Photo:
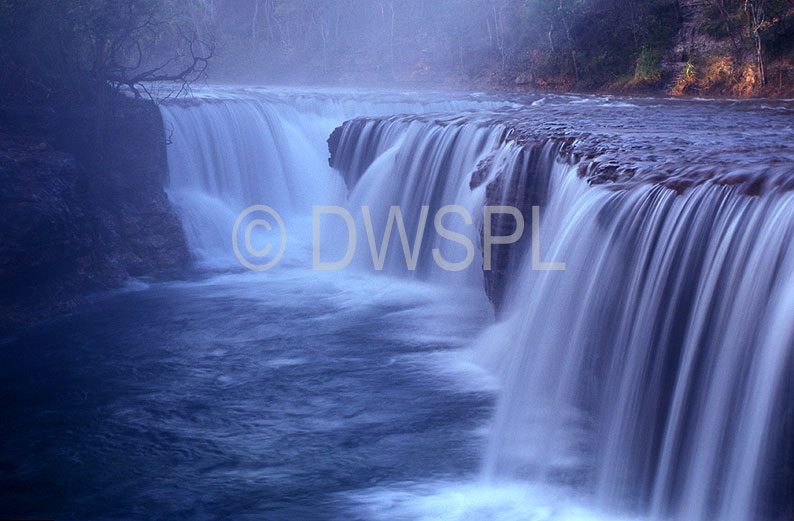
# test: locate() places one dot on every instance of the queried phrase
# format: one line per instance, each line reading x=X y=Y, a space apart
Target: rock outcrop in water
x=522 y=184
x=83 y=206
x=619 y=144
x=352 y=165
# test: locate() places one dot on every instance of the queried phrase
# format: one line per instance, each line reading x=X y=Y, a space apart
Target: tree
x=86 y=46
x=755 y=21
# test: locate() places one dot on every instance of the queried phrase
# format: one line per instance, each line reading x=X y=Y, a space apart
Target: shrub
x=646 y=70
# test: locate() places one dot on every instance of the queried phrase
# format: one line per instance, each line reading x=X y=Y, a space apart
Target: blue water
x=240 y=397
x=651 y=378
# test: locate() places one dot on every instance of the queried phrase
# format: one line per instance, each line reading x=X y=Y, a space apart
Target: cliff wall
x=82 y=205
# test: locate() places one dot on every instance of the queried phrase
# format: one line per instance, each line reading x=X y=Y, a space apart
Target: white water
x=421 y=164
x=233 y=148
x=649 y=373
x=645 y=380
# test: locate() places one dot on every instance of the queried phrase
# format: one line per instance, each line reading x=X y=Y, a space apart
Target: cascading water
x=417 y=164
x=231 y=150
x=651 y=376
x=229 y=155
x=651 y=371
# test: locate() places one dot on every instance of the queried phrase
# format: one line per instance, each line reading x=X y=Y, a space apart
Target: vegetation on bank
x=727 y=47
x=720 y=47
x=82 y=166
x=510 y=44
x=742 y=48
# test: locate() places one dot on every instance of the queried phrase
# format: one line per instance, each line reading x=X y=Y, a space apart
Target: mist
x=503 y=44
x=357 y=41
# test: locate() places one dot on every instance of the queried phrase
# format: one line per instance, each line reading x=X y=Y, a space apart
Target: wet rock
x=617 y=144
x=82 y=207
x=523 y=185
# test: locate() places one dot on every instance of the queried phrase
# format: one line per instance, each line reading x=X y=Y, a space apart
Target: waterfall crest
x=413 y=163
x=232 y=148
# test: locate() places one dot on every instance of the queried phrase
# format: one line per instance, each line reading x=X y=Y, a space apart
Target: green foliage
x=690 y=71
x=722 y=23
x=647 y=70
x=594 y=41
x=609 y=39
x=778 y=35
x=729 y=19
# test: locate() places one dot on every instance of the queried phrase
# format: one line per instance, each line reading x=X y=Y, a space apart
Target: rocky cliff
x=82 y=205
x=708 y=58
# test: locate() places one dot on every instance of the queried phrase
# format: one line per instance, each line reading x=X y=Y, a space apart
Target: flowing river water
x=650 y=379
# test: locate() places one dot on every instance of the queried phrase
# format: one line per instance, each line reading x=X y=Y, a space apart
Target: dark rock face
x=522 y=185
x=353 y=147
x=82 y=206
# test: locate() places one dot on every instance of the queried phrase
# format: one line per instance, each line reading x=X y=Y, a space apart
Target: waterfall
x=233 y=148
x=413 y=163
x=655 y=371
x=227 y=155
x=653 y=374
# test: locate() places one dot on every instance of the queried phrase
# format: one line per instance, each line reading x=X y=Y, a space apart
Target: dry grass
x=720 y=76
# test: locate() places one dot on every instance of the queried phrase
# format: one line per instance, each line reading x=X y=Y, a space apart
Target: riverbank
x=716 y=76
